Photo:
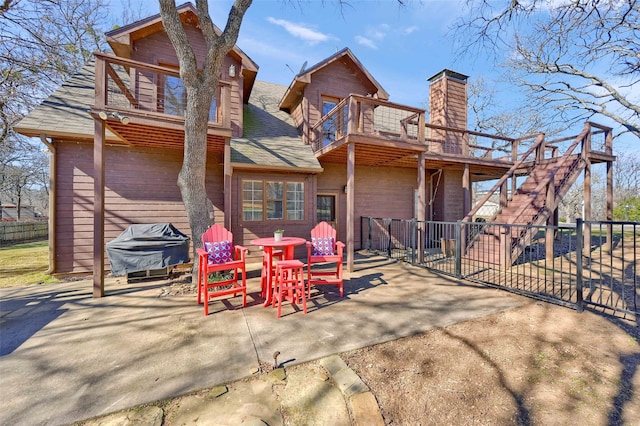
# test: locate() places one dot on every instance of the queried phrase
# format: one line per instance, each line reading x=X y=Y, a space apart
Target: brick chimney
x=448 y=108
x=448 y=99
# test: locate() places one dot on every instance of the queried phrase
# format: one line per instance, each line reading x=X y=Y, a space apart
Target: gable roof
x=294 y=92
x=122 y=39
x=270 y=139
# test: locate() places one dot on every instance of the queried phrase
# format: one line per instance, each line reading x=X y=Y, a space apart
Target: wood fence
x=11 y=232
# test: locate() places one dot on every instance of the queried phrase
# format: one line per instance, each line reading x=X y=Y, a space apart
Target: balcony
x=144 y=105
x=390 y=134
x=394 y=135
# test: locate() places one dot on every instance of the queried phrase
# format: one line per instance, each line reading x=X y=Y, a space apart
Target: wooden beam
x=466 y=190
x=351 y=166
x=227 y=184
x=98 y=209
x=422 y=205
x=98 y=182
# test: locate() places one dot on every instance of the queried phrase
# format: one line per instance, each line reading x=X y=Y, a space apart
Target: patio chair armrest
x=242 y=250
x=340 y=247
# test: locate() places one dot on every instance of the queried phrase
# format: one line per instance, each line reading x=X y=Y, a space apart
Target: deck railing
x=125 y=85
x=365 y=116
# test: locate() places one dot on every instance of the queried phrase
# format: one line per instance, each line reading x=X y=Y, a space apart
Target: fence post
x=389 y=238
x=579 y=248
x=459 y=249
x=415 y=240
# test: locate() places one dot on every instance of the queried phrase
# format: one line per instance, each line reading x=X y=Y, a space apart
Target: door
x=326 y=210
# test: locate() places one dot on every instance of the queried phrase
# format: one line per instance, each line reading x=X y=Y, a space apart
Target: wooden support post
x=98 y=209
x=503 y=195
x=422 y=205
x=549 y=236
x=351 y=166
x=587 y=208
x=100 y=101
x=609 y=212
x=466 y=190
x=227 y=184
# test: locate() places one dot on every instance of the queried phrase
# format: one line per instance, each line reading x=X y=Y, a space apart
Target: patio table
x=288 y=245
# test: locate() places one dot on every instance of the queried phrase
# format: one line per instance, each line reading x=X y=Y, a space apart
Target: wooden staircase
x=512 y=229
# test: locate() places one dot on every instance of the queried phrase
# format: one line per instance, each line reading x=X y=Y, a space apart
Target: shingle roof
x=270 y=137
x=64 y=113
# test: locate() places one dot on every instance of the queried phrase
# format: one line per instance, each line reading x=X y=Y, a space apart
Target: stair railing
x=549 y=178
x=534 y=148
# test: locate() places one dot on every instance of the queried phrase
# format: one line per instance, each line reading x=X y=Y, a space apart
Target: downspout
x=52 y=204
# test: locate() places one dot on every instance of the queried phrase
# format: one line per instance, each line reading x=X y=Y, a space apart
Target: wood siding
x=379 y=192
x=157 y=49
x=336 y=80
x=140 y=188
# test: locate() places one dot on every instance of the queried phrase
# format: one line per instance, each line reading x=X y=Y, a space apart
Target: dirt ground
x=539 y=364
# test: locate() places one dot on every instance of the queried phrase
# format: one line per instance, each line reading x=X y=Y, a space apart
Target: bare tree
x=574 y=58
x=41 y=44
x=200 y=82
x=489 y=116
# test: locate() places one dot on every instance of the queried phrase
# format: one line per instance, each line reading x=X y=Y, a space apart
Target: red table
x=288 y=244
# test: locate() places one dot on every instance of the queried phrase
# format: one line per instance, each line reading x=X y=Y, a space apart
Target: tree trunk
x=192 y=177
x=201 y=85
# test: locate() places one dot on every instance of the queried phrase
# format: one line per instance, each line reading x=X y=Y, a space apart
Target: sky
x=400 y=46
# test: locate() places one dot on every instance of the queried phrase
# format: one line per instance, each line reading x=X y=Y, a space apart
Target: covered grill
x=145 y=247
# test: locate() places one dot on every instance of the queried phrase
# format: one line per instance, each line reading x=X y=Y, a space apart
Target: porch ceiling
x=159 y=132
x=405 y=155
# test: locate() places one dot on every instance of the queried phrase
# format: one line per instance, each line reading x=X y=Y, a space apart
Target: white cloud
x=367 y=42
x=411 y=29
x=300 y=31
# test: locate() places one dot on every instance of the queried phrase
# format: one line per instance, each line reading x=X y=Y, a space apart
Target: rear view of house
x=329 y=147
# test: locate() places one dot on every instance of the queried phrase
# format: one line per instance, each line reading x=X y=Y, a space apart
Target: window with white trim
x=272 y=200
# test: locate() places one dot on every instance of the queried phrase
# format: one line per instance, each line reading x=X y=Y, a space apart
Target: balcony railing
x=365 y=116
x=152 y=90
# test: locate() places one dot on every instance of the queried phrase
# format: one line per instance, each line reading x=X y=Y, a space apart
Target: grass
x=24 y=264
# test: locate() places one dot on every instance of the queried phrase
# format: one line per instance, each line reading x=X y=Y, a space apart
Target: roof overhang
x=121 y=41
x=295 y=91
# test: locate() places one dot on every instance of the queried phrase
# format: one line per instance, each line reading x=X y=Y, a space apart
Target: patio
x=67 y=356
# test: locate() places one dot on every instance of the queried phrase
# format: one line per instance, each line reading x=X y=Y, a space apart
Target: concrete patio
x=65 y=356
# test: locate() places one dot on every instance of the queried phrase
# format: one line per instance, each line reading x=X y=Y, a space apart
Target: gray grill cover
x=147 y=246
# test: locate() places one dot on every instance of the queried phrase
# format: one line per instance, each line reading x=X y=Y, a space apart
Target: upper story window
x=334 y=127
x=172 y=97
x=272 y=200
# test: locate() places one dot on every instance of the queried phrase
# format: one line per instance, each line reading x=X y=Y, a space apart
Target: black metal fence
x=590 y=263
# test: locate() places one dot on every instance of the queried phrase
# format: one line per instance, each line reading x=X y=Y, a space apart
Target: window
x=252 y=200
x=329 y=127
x=275 y=200
x=295 y=201
x=272 y=200
x=173 y=99
x=175 y=96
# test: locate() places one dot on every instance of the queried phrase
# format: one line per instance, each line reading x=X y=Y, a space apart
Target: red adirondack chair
x=218 y=254
x=324 y=249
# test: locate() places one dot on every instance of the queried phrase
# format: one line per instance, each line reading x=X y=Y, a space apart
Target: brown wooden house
x=330 y=146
